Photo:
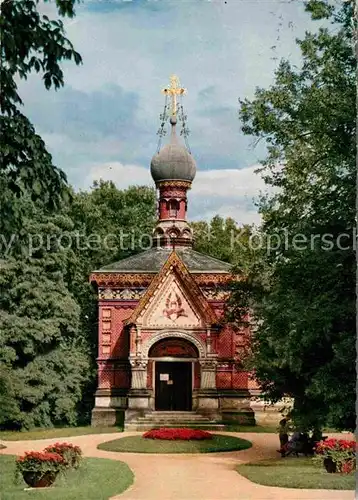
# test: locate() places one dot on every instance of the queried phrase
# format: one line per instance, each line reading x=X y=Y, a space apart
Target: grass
x=250 y=428
x=55 y=432
x=293 y=472
x=138 y=444
x=97 y=479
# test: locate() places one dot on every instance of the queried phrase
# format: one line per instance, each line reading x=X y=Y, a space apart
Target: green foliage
x=48 y=317
x=300 y=293
x=223 y=239
x=30 y=42
x=8 y=403
x=42 y=351
x=71 y=454
x=25 y=163
x=112 y=222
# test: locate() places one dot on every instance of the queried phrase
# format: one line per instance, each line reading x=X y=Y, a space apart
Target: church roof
x=152 y=261
x=173 y=161
x=175 y=264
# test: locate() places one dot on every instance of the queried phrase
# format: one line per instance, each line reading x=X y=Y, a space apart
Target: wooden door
x=173 y=386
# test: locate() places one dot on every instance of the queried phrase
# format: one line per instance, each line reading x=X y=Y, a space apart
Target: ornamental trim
x=199 y=344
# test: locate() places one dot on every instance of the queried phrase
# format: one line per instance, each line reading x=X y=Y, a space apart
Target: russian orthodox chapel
x=164 y=352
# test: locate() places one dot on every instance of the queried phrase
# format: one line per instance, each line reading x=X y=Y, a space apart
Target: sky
x=103 y=123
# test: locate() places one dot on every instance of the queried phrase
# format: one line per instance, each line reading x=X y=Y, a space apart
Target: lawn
x=55 y=432
x=250 y=428
x=97 y=479
x=138 y=444
x=293 y=472
x=63 y=432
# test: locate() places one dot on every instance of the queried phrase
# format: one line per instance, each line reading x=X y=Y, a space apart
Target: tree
x=44 y=356
x=48 y=309
x=30 y=42
x=114 y=223
x=223 y=239
x=301 y=292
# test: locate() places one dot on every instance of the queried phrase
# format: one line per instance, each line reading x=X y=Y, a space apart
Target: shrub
x=42 y=462
x=177 y=434
x=340 y=451
x=70 y=453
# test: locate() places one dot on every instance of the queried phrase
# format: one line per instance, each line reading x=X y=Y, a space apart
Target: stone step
x=186 y=419
x=157 y=417
x=178 y=421
x=167 y=423
x=176 y=413
x=133 y=426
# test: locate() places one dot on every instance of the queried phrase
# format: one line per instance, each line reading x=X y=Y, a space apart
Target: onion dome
x=173 y=161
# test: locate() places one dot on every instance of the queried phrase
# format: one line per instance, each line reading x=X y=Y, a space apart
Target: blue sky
x=103 y=123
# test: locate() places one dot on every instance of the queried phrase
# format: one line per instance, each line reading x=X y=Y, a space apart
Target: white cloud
x=229 y=193
x=122 y=175
x=220 y=51
x=241 y=182
x=103 y=123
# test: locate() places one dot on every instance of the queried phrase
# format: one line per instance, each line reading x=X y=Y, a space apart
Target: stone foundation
x=224 y=406
x=107 y=417
x=109 y=408
x=266 y=413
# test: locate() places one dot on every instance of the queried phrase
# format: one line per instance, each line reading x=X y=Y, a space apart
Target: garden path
x=209 y=476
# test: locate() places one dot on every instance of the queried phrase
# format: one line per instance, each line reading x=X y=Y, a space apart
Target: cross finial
x=173 y=90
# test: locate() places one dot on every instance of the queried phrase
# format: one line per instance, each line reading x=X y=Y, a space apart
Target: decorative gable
x=173 y=299
x=169 y=307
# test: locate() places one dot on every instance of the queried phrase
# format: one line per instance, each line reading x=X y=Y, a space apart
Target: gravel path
x=210 y=476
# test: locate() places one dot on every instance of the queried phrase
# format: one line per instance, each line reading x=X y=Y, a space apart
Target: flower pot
x=39 y=479
x=329 y=465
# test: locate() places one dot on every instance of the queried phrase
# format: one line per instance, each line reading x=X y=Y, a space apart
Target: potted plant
x=70 y=453
x=39 y=469
x=337 y=455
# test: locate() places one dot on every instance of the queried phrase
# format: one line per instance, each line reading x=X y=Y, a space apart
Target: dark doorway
x=173 y=382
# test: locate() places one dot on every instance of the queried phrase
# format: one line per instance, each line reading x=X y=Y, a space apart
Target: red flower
x=347 y=467
x=70 y=453
x=181 y=434
x=62 y=447
x=40 y=457
x=336 y=445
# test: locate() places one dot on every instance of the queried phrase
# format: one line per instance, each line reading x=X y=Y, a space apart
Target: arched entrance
x=173 y=361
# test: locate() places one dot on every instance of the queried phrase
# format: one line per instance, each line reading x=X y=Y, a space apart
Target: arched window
x=173 y=208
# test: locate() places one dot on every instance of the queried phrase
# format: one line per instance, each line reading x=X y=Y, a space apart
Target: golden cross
x=173 y=90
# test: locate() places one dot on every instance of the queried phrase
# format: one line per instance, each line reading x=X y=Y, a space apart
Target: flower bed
x=177 y=434
x=337 y=455
x=70 y=453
